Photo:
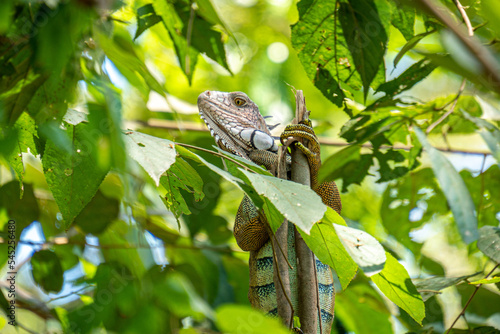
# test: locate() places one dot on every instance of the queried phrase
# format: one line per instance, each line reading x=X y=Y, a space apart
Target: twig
x=448 y=113
x=461 y=9
x=71 y=294
x=189 y=34
x=480 y=204
x=470 y=299
x=490 y=67
x=25 y=328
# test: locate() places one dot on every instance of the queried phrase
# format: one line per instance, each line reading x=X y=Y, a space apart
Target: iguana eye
x=239 y=101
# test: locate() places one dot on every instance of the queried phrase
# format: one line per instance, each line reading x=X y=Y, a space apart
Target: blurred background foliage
x=109 y=241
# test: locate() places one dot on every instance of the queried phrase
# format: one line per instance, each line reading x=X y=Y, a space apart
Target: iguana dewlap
x=238 y=127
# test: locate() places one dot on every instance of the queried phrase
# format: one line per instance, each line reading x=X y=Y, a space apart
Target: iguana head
x=235 y=122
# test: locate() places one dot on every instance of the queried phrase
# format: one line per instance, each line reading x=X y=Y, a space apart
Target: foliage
x=123 y=213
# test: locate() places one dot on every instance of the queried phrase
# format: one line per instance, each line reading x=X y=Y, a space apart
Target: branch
x=470 y=299
x=192 y=126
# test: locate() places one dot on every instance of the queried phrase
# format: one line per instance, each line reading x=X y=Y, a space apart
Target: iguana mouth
x=235 y=122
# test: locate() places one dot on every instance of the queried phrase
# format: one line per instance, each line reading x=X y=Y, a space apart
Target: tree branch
x=470 y=299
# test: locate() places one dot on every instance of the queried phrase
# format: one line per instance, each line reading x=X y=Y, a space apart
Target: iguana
x=238 y=127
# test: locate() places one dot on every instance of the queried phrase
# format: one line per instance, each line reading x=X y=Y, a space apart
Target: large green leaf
x=47 y=271
x=396 y=285
x=236 y=319
x=74 y=176
x=325 y=244
x=296 y=202
x=154 y=154
x=453 y=186
x=489 y=242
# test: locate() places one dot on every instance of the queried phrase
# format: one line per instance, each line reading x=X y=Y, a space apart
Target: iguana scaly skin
x=238 y=127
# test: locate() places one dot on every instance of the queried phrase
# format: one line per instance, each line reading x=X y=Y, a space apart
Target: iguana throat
x=235 y=122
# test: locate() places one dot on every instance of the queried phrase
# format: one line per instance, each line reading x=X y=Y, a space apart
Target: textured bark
x=307 y=280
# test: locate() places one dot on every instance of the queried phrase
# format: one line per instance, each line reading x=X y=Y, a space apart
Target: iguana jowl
x=238 y=127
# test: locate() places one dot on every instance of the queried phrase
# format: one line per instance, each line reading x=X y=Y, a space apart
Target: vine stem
x=462 y=313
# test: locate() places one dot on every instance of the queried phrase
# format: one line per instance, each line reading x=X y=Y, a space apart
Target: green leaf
x=453 y=186
x=146 y=18
x=27 y=138
x=179 y=176
x=154 y=154
x=365 y=36
x=486 y=281
x=331 y=168
x=120 y=50
x=47 y=271
x=74 y=177
x=489 y=242
x=98 y=214
x=364 y=249
x=330 y=87
x=489 y=11
x=325 y=244
x=432 y=285
x=15 y=104
x=236 y=319
x=296 y=202
x=361 y=309
x=192 y=33
x=396 y=285
x=489 y=132
x=406 y=80
x=187 y=55
x=412 y=42
x=6 y=8
x=23 y=210
x=418 y=190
